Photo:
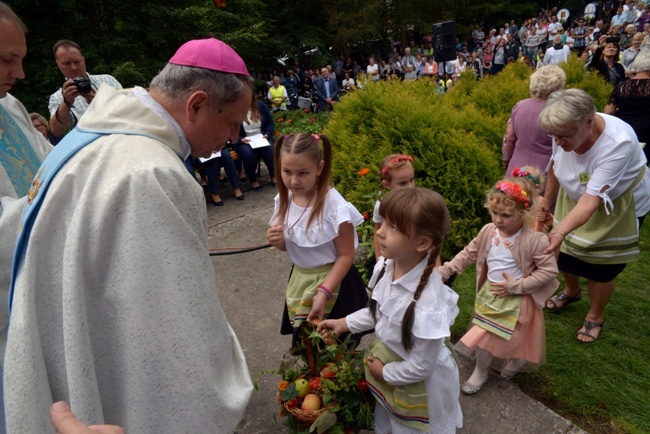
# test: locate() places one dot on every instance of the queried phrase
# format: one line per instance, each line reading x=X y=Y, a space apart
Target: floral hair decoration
x=396 y=160
x=515 y=191
x=316 y=137
x=523 y=173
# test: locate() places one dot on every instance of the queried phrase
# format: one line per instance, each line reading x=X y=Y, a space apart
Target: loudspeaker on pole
x=444 y=41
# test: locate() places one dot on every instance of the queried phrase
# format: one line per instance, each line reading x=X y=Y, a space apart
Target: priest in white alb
x=114 y=305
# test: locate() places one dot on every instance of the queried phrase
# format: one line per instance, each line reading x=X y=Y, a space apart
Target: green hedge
x=455 y=138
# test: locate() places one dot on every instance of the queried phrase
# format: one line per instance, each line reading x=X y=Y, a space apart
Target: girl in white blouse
x=315 y=225
x=410 y=368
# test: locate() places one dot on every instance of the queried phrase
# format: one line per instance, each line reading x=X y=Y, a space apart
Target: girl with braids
x=410 y=368
x=513 y=280
x=315 y=225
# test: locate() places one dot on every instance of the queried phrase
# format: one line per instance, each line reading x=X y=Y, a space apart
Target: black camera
x=82 y=84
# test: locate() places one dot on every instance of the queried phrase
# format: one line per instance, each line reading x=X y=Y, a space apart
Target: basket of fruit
x=325 y=389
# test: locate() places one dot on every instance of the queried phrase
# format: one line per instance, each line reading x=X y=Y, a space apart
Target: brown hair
x=310 y=145
x=416 y=211
x=65 y=44
x=392 y=162
x=256 y=114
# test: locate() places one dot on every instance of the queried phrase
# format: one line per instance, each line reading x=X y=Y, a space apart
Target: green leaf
x=289 y=393
x=324 y=422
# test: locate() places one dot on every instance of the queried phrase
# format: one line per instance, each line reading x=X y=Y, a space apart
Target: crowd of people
x=103 y=241
x=611 y=36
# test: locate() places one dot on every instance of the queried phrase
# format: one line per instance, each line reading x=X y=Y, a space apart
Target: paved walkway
x=251 y=288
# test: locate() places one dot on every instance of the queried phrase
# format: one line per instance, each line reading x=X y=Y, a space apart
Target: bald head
x=6 y=14
x=13 y=49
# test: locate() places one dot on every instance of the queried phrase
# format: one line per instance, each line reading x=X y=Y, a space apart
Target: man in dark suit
x=328 y=91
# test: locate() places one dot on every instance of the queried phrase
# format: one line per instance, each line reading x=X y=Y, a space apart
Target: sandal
x=589 y=326
x=562 y=296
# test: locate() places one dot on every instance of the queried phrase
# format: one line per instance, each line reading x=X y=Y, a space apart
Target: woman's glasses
x=567 y=137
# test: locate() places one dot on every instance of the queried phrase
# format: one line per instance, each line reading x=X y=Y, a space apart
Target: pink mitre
x=212 y=54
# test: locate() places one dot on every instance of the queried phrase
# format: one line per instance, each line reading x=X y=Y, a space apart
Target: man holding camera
x=69 y=103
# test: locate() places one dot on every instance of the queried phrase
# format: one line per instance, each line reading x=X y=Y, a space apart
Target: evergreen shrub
x=129 y=75
x=454 y=138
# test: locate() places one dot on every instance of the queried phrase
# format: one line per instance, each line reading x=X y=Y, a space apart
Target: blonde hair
x=392 y=162
x=416 y=211
x=310 y=146
x=510 y=205
x=531 y=175
x=565 y=109
x=37 y=116
x=546 y=80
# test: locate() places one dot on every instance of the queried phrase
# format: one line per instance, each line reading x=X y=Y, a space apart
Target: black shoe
x=215 y=203
x=244 y=179
x=274 y=184
x=223 y=180
x=258 y=188
x=240 y=197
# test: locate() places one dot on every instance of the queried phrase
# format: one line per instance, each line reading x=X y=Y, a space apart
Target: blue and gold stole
x=72 y=143
x=19 y=159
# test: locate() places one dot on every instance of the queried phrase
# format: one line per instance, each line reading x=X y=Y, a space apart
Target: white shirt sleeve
x=360 y=321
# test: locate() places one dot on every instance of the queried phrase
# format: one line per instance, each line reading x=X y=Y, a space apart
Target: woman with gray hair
x=599 y=177
x=525 y=142
x=630 y=100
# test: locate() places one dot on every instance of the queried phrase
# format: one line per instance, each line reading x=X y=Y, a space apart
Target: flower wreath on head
x=518 y=172
x=396 y=160
x=515 y=191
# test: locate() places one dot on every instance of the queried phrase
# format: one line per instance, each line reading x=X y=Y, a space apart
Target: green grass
x=603 y=387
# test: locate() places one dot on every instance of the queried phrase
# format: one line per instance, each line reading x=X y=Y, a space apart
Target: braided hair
x=416 y=211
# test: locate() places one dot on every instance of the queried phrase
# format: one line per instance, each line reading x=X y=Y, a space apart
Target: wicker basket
x=307 y=417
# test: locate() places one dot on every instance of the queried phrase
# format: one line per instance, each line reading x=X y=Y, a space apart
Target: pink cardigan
x=540 y=270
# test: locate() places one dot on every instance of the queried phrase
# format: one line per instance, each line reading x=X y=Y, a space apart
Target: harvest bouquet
x=325 y=390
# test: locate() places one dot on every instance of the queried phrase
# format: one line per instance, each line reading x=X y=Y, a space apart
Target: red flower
x=306 y=110
x=292 y=403
x=289 y=121
x=280 y=120
x=363 y=172
x=363 y=385
x=312 y=120
x=283 y=385
x=366 y=215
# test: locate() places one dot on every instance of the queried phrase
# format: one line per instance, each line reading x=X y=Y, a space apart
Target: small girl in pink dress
x=513 y=280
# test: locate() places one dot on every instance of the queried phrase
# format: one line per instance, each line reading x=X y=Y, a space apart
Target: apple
x=311 y=403
x=314 y=383
x=302 y=387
